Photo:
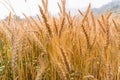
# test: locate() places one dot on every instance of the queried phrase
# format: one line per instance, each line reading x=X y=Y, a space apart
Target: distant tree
x=14 y=17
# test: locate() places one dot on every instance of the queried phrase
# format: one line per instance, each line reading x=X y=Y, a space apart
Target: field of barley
x=79 y=47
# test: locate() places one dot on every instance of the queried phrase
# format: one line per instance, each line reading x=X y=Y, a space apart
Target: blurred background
x=30 y=7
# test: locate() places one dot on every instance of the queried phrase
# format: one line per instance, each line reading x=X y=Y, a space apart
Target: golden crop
x=80 y=47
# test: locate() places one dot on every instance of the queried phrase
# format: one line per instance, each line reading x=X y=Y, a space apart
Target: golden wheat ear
x=46 y=21
x=80 y=12
x=45 y=5
x=86 y=14
x=109 y=15
x=115 y=24
x=9 y=18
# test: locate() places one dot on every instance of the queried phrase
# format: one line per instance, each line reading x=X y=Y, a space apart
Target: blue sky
x=31 y=7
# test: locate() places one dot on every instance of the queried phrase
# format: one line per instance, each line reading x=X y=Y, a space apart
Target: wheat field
x=79 y=47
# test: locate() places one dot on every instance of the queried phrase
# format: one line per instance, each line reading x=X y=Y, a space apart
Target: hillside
x=113 y=6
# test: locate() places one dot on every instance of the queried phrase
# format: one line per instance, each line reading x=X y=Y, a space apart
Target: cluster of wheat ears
x=79 y=47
